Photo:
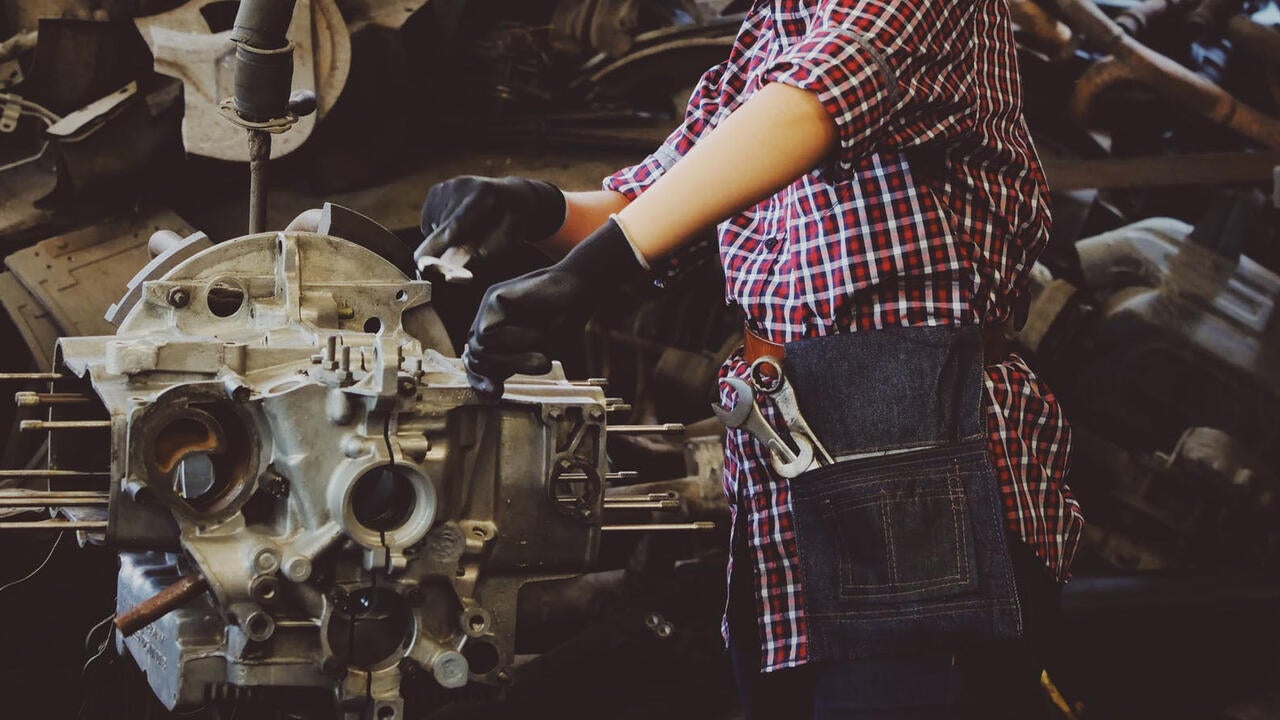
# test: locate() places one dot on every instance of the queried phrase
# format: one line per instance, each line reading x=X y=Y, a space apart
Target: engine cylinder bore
x=382 y=499
x=201 y=455
x=385 y=505
x=371 y=628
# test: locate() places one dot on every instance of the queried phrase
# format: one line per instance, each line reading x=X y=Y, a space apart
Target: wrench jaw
x=736 y=416
x=789 y=464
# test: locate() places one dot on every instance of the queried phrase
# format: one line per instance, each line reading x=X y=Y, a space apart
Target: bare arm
x=585 y=211
x=776 y=136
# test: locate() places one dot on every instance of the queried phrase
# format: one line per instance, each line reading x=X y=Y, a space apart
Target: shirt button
x=772 y=243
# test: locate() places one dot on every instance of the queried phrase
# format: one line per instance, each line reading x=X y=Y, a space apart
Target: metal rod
x=663 y=429
x=55 y=525
x=660 y=527
x=613 y=476
x=54 y=474
x=157 y=606
x=591 y=382
x=34 y=399
x=618 y=407
x=651 y=497
x=37 y=499
x=31 y=376
x=643 y=505
x=259 y=154
x=31 y=425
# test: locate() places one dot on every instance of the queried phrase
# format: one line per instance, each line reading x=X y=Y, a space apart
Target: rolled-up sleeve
x=890 y=73
x=850 y=77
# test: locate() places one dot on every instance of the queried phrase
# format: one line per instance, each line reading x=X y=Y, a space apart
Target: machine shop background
x=1158 y=124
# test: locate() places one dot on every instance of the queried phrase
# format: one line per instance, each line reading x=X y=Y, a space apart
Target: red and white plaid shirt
x=863 y=242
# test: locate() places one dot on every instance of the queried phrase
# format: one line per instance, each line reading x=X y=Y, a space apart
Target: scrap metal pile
x=310 y=511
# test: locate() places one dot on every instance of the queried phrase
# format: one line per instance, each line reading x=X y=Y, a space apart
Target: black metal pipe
x=263 y=23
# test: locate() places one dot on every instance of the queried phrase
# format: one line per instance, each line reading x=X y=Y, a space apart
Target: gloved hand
x=487 y=216
x=509 y=333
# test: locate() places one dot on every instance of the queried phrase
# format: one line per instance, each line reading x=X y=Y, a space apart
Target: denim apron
x=903 y=548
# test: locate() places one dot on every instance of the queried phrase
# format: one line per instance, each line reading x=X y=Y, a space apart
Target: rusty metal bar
x=660 y=527
x=159 y=605
x=1049 y=33
x=36 y=425
x=1131 y=60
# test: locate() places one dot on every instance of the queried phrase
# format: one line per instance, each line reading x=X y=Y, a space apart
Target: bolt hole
x=402 y=295
x=225 y=298
x=386 y=712
x=372 y=325
x=479 y=532
x=477 y=623
x=259 y=625
x=481 y=656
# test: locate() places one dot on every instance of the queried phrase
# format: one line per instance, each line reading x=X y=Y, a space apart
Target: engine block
x=306 y=492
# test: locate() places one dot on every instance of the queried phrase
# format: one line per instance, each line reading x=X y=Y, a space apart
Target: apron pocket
x=902 y=538
x=903 y=551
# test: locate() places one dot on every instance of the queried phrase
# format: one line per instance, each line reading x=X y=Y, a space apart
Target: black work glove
x=516 y=316
x=487 y=216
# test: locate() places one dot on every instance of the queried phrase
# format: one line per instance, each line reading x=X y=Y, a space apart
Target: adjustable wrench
x=746 y=414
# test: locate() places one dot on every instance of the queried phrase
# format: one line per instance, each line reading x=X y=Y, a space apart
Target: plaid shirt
x=880 y=236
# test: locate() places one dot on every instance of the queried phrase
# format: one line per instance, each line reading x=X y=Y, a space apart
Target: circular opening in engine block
x=383 y=498
x=225 y=297
x=201 y=455
x=384 y=505
x=370 y=628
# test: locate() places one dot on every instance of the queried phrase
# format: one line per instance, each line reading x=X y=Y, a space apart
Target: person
x=879 y=205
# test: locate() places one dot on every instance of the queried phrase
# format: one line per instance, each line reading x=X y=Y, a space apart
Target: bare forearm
x=775 y=137
x=586 y=211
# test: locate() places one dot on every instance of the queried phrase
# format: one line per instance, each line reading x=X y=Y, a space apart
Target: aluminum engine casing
x=365 y=512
